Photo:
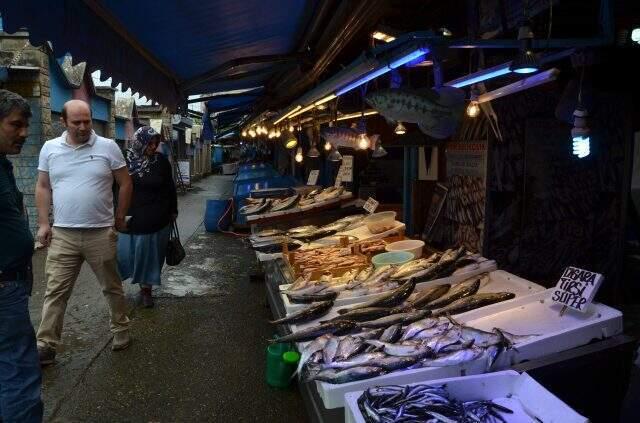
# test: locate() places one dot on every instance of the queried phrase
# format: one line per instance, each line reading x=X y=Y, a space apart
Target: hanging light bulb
x=363 y=142
x=335 y=155
x=400 y=129
x=291 y=128
x=525 y=61
x=299 y=157
x=252 y=133
x=244 y=133
x=379 y=150
x=278 y=133
x=473 y=109
x=313 y=151
x=272 y=134
x=327 y=146
x=580 y=133
x=292 y=142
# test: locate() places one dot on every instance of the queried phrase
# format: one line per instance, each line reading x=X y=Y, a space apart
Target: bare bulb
x=327 y=146
x=252 y=133
x=299 y=157
x=363 y=142
x=291 y=128
x=473 y=109
x=244 y=134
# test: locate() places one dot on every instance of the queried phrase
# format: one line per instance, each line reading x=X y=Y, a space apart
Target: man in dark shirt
x=20 y=376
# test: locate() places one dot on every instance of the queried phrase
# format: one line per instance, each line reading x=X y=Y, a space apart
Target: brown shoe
x=147 y=297
x=121 y=341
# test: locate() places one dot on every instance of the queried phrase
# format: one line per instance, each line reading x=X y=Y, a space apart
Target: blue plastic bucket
x=214 y=211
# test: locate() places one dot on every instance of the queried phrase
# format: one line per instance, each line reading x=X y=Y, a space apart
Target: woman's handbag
x=175 y=251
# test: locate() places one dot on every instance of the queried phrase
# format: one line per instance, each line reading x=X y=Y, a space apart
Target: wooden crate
x=294 y=267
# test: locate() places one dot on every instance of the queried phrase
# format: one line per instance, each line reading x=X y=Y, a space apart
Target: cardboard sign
x=347 y=168
x=371 y=205
x=184 y=167
x=156 y=124
x=576 y=288
x=313 y=177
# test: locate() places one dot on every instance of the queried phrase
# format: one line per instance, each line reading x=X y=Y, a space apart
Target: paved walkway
x=198 y=356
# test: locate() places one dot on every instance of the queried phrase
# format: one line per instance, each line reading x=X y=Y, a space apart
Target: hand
x=121 y=225
x=44 y=235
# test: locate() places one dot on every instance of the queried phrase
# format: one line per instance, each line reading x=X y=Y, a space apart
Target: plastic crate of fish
x=531 y=315
x=527 y=399
x=345 y=300
x=496 y=281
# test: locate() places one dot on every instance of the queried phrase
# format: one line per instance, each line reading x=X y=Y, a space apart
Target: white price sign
x=576 y=288
x=347 y=168
x=313 y=177
x=371 y=205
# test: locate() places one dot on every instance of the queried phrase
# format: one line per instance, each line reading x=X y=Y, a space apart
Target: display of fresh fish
x=461 y=290
x=300 y=229
x=414 y=328
x=352 y=218
x=349 y=345
x=428 y=295
x=308 y=334
x=269 y=232
x=472 y=302
x=455 y=358
x=348 y=375
x=354 y=361
x=275 y=247
x=313 y=235
x=312 y=288
x=392 y=333
x=364 y=314
x=425 y=403
x=312 y=312
x=393 y=319
x=346 y=137
x=362 y=276
x=410 y=268
x=311 y=298
x=431 y=333
x=514 y=339
x=438 y=112
x=329 y=194
x=419 y=349
x=335 y=226
x=255 y=209
x=330 y=349
x=285 y=204
x=314 y=346
x=389 y=299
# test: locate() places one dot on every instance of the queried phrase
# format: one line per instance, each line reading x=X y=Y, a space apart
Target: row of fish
x=425 y=403
x=264 y=205
x=337 y=357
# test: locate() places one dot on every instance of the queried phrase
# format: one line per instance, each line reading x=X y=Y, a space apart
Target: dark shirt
x=16 y=241
x=154 y=198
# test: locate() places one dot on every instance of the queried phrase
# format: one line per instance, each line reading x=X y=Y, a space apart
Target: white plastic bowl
x=380 y=222
x=413 y=246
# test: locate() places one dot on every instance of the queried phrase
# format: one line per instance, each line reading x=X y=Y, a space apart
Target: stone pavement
x=199 y=355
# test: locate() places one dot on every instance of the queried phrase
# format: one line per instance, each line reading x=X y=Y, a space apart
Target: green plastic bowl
x=392 y=257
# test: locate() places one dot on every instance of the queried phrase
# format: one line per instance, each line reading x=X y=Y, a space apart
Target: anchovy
x=430 y=294
x=472 y=302
x=311 y=298
x=390 y=299
x=461 y=290
x=393 y=319
x=312 y=312
x=311 y=333
x=348 y=375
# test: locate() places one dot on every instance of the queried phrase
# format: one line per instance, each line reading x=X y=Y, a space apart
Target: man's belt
x=13 y=275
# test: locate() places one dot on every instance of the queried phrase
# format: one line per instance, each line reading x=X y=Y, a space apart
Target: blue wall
x=60 y=91
x=100 y=108
x=120 y=129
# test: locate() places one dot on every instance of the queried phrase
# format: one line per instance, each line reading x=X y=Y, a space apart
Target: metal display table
x=592 y=379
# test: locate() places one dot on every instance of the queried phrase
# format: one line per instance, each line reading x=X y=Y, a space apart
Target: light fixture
x=379 y=150
x=299 y=157
x=525 y=61
x=363 y=141
x=272 y=134
x=635 y=35
x=287 y=115
x=400 y=129
x=382 y=36
x=356 y=115
x=291 y=128
x=523 y=84
x=252 y=133
x=324 y=100
x=480 y=76
x=327 y=146
x=292 y=142
x=304 y=109
x=278 y=133
x=473 y=110
x=313 y=151
x=335 y=155
x=446 y=32
x=376 y=73
x=244 y=134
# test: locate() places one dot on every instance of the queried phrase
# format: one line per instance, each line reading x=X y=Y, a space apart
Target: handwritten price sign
x=576 y=288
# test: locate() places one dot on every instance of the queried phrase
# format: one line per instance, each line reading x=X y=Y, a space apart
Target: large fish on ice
x=438 y=112
x=346 y=137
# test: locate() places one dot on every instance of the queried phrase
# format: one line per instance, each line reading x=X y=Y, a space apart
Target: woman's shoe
x=147 y=297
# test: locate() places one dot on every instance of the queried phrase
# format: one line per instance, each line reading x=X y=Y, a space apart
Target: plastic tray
x=347 y=300
x=533 y=314
x=528 y=399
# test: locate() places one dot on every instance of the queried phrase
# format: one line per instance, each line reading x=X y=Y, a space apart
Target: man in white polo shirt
x=78 y=169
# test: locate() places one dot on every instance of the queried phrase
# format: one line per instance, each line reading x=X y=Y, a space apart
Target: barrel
x=214 y=211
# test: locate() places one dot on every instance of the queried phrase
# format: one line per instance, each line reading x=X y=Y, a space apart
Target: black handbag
x=175 y=251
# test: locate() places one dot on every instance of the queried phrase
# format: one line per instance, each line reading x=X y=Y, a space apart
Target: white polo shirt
x=81 y=180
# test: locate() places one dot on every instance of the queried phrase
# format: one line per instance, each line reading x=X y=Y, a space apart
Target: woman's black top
x=154 y=198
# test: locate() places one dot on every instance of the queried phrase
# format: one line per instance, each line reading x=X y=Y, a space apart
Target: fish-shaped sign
x=438 y=112
x=346 y=137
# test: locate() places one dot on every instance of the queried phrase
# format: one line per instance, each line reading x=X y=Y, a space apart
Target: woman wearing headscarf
x=154 y=206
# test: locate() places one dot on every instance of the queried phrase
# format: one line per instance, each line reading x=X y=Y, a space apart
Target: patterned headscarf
x=137 y=161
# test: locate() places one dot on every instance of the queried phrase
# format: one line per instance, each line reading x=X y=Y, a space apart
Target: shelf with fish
x=300 y=211
x=523 y=399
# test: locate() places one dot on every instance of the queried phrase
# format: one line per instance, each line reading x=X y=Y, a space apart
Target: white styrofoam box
x=528 y=399
x=362 y=233
x=267 y=257
x=532 y=314
x=538 y=314
x=498 y=281
x=333 y=395
x=490 y=266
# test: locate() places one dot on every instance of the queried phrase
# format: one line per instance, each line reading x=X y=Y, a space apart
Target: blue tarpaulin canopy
x=168 y=50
